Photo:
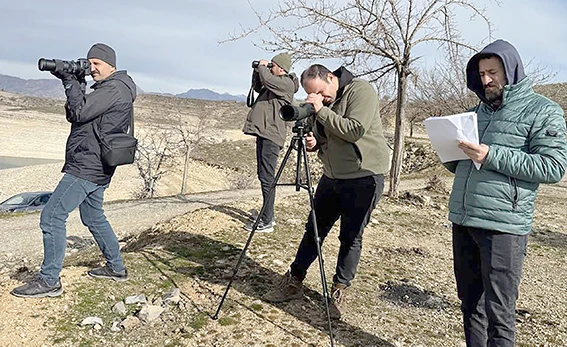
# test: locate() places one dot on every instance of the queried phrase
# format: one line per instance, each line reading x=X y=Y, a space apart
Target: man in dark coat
x=106 y=110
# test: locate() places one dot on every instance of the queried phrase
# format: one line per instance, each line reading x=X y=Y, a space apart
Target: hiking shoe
x=337 y=299
x=290 y=287
x=262 y=227
x=38 y=289
x=106 y=272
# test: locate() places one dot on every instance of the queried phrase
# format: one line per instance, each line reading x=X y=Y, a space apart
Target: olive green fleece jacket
x=264 y=120
x=349 y=135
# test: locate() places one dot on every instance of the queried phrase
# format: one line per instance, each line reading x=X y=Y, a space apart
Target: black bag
x=118 y=148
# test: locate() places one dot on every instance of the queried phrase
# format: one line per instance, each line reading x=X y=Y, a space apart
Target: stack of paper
x=446 y=132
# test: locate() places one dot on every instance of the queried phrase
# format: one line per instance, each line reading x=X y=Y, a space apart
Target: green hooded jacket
x=349 y=132
x=527 y=146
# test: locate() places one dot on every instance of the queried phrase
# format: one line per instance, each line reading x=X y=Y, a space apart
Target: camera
x=79 y=68
x=256 y=63
x=294 y=113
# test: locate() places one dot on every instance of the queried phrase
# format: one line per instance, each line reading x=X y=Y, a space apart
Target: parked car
x=25 y=202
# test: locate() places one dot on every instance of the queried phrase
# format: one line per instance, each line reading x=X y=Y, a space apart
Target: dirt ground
x=403 y=295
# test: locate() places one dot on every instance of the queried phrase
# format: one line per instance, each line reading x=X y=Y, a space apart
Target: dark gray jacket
x=108 y=108
x=274 y=92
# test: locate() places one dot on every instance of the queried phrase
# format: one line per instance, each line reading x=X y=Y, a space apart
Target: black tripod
x=297 y=143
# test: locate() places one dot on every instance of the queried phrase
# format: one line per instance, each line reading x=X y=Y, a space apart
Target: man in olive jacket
x=347 y=133
x=106 y=110
x=522 y=144
x=276 y=87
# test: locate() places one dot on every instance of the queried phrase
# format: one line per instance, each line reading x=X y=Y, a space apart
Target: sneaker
x=290 y=287
x=106 y=272
x=254 y=215
x=262 y=227
x=38 y=289
x=337 y=298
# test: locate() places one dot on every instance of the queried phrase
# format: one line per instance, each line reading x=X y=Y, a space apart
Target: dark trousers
x=488 y=267
x=267 y=153
x=351 y=200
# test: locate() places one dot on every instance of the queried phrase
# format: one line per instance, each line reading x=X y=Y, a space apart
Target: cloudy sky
x=172 y=45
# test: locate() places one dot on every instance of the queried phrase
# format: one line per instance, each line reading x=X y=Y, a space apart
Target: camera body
x=291 y=113
x=256 y=63
x=80 y=68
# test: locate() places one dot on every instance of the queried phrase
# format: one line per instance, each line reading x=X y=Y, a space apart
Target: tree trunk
x=398 y=154
x=185 y=169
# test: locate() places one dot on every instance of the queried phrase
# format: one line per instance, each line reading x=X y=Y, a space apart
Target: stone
x=120 y=308
x=91 y=321
x=173 y=297
x=135 y=299
x=130 y=323
x=150 y=313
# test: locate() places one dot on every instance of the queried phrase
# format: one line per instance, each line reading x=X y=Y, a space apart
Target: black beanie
x=102 y=52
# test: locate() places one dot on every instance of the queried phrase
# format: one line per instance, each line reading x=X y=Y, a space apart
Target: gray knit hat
x=102 y=52
x=283 y=60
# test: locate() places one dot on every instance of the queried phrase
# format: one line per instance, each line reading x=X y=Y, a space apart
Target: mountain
x=43 y=88
x=206 y=94
x=51 y=88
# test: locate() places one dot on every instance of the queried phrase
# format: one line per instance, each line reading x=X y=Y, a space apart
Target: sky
x=171 y=46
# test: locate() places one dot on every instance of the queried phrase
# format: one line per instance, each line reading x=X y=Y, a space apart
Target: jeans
x=267 y=153
x=352 y=200
x=488 y=268
x=70 y=193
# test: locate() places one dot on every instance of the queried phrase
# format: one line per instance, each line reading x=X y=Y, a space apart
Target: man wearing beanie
x=108 y=109
x=276 y=87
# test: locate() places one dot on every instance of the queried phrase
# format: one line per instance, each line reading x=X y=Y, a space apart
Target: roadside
x=21 y=238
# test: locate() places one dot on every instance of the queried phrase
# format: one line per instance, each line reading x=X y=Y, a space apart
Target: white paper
x=446 y=132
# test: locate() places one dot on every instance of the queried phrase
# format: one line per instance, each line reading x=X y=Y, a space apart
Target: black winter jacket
x=108 y=108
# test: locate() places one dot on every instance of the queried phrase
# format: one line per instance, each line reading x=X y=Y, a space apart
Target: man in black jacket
x=107 y=110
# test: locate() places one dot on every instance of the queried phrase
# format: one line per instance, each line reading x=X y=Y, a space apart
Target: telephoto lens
x=294 y=113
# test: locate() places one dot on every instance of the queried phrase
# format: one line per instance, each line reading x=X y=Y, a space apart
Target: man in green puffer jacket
x=522 y=144
x=347 y=133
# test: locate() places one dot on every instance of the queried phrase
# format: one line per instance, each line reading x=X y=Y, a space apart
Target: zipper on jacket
x=464 y=215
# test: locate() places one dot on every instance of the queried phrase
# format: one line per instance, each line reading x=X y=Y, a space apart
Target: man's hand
x=263 y=62
x=477 y=153
x=310 y=141
x=60 y=73
x=316 y=100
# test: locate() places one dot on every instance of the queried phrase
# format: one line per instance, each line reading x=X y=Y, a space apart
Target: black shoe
x=262 y=227
x=38 y=289
x=106 y=272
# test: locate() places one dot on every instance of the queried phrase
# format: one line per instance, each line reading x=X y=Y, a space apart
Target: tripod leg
x=255 y=226
x=303 y=151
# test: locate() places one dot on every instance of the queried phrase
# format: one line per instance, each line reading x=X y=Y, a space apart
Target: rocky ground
x=180 y=259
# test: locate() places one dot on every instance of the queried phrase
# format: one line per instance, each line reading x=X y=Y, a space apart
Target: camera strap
x=250 y=98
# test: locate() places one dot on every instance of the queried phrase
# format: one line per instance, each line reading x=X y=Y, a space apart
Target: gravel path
x=21 y=238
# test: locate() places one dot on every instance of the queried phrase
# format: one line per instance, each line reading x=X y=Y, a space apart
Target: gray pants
x=488 y=268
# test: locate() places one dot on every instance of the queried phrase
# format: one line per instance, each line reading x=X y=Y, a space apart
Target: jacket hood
x=123 y=77
x=345 y=77
x=510 y=59
x=295 y=80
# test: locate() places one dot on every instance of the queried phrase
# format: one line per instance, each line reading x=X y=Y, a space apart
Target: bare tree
x=155 y=149
x=190 y=136
x=375 y=37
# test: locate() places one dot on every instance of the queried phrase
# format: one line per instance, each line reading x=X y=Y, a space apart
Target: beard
x=493 y=92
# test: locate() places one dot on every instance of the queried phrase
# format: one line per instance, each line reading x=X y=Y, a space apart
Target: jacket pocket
x=358 y=155
x=514 y=195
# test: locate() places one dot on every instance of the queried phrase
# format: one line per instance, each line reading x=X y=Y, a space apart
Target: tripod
x=298 y=143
